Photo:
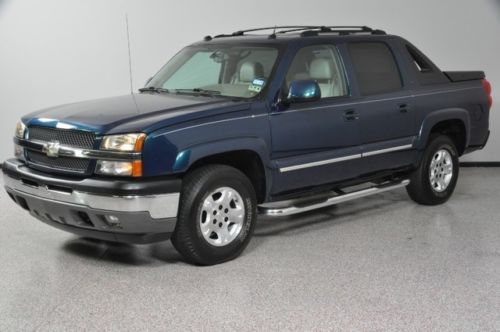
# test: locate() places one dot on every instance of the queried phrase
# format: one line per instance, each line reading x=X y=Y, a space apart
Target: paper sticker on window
x=257 y=85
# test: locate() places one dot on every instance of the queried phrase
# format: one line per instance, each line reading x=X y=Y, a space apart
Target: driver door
x=318 y=142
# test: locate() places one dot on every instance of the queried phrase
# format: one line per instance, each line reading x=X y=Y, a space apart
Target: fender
x=196 y=152
x=442 y=115
x=189 y=155
x=173 y=151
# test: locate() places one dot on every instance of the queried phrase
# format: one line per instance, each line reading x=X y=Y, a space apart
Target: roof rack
x=306 y=30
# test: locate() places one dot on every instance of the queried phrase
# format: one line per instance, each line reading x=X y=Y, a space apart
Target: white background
x=54 y=52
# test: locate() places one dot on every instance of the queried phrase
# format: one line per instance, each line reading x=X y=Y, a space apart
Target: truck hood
x=143 y=112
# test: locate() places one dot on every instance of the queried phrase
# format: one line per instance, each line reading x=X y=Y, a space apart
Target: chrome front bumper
x=121 y=210
x=158 y=206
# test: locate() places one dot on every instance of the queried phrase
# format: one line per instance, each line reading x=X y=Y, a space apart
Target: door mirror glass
x=302 y=91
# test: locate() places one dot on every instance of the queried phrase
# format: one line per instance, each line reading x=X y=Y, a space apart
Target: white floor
x=379 y=263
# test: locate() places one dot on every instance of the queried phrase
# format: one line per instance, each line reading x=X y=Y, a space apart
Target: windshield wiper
x=153 y=89
x=198 y=91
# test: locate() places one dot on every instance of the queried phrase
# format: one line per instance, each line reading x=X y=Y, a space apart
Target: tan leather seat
x=250 y=71
x=321 y=71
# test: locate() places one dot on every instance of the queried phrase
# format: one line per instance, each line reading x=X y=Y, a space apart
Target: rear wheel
x=217 y=215
x=434 y=181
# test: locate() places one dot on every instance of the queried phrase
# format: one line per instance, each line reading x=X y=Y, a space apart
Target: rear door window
x=374 y=67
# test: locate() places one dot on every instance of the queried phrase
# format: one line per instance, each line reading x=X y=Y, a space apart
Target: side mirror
x=302 y=91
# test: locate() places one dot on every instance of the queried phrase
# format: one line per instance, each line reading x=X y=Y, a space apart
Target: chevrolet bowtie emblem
x=51 y=149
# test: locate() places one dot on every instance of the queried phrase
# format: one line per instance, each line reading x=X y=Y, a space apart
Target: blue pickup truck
x=271 y=121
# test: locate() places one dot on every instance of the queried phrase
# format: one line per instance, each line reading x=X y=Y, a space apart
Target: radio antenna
x=129 y=56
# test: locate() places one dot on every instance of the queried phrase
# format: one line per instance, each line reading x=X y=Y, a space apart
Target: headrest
x=250 y=71
x=320 y=69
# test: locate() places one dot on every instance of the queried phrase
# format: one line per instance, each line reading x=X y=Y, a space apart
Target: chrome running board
x=278 y=209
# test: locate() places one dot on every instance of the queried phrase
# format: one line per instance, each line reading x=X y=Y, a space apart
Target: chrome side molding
x=345 y=158
x=319 y=163
x=393 y=149
x=276 y=209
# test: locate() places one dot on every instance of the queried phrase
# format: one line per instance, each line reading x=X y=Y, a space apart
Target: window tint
x=322 y=64
x=375 y=68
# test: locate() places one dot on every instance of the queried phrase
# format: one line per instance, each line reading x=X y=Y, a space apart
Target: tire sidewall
x=445 y=143
x=238 y=182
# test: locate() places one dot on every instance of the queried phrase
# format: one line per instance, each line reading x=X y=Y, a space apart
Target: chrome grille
x=74 y=138
x=77 y=165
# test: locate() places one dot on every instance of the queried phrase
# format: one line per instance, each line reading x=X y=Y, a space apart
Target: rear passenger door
x=386 y=106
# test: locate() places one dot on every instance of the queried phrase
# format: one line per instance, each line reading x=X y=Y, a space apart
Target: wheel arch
x=249 y=155
x=454 y=122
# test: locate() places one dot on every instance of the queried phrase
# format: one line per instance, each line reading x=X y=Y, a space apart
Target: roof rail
x=341 y=30
x=274 y=28
x=307 y=30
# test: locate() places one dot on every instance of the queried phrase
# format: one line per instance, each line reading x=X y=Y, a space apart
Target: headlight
x=122 y=143
x=125 y=142
x=119 y=168
x=20 y=129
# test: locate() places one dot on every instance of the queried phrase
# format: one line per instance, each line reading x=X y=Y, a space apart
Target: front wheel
x=434 y=181
x=216 y=216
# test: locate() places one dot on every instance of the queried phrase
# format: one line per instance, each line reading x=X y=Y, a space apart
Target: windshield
x=223 y=70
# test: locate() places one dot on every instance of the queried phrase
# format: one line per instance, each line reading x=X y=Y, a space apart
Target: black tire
x=420 y=188
x=197 y=186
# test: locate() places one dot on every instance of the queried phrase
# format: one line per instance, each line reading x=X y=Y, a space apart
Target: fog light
x=113 y=218
x=113 y=221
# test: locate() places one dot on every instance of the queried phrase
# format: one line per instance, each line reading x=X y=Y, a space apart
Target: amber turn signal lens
x=137 y=168
x=139 y=143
